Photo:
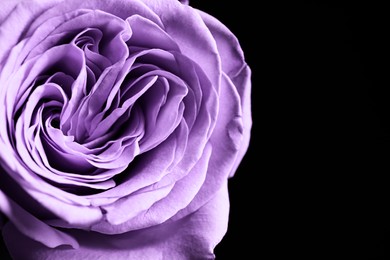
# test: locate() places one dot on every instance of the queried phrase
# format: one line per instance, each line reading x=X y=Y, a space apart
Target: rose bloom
x=121 y=122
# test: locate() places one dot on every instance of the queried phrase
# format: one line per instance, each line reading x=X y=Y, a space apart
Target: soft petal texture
x=122 y=123
x=7 y=7
x=22 y=14
x=192 y=237
x=236 y=69
x=31 y=226
x=186 y=27
x=226 y=144
x=179 y=196
x=243 y=79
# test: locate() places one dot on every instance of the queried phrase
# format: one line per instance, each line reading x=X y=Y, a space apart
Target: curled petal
x=226 y=141
x=155 y=164
x=232 y=56
x=32 y=227
x=237 y=71
x=120 y=118
x=147 y=34
x=177 y=196
x=243 y=79
x=18 y=14
x=192 y=237
x=187 y=27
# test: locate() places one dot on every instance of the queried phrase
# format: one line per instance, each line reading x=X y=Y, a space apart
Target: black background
x=313 y=183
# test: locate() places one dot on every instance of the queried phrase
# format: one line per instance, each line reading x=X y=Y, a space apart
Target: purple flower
x=121 y=122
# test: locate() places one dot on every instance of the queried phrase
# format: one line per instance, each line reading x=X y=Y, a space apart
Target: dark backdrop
x=314 y=181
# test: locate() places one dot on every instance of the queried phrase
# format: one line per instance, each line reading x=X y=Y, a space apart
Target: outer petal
x=186 y=27
x=243 y=83
x=193 y=237
x=19 y=14
x=232 y=56
x=33 y=227
x=226 y=141
x=236 y=69
x=6 y=8
x=179 y=197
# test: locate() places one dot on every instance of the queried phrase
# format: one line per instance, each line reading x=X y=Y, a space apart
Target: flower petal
x=165 y=205
x=6 y=8
x=192 y=237
x=19 y=14
x=227 y=143
x=237 y=71
x=243 y=79
x=189 y=31
x=31 y=226
x=232 y=56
